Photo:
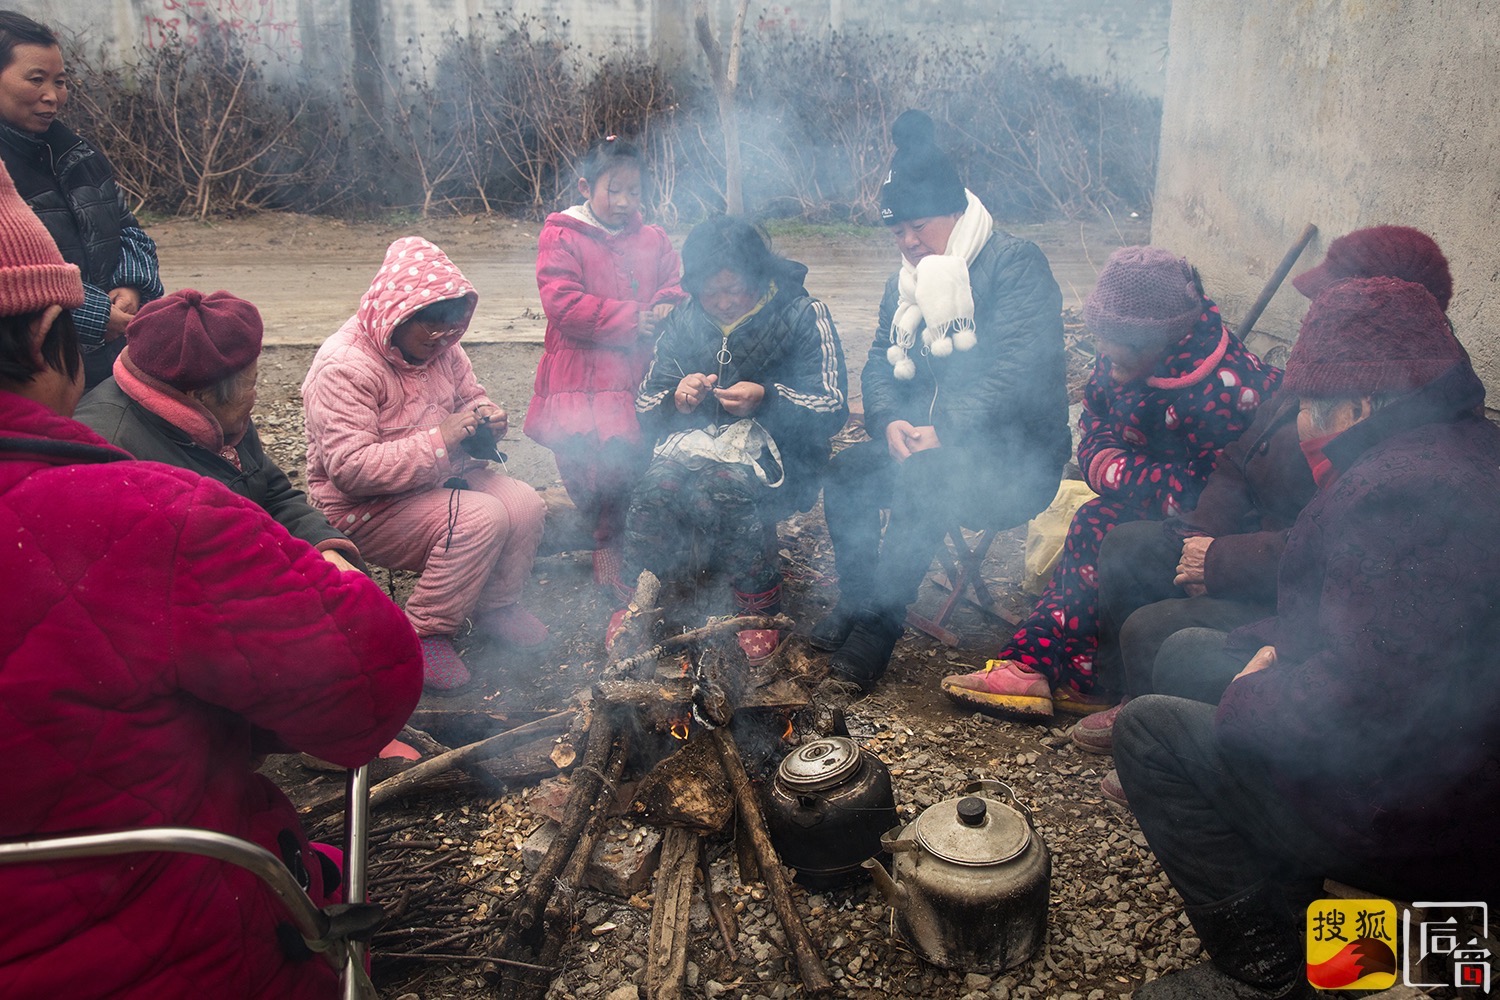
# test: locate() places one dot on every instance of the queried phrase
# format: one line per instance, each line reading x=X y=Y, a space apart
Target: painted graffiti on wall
x=251 y=23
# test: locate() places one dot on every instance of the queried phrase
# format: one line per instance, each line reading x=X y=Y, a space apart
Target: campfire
x=691 y=717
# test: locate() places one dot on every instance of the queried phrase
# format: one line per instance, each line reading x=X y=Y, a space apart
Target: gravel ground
x=1114 y=921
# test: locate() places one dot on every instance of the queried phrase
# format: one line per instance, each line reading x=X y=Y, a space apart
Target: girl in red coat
x=607 y=281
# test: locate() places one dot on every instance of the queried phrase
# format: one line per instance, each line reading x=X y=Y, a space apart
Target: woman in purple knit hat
x=1171 y=387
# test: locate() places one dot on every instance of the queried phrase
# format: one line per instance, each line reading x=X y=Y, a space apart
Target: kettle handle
x=891 y=841
x=995 y=786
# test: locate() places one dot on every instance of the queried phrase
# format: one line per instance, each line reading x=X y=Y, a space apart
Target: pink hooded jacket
x=372 y=417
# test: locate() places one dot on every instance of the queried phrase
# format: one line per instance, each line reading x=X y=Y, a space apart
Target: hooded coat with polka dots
x=372 y=416
x=1147 y=448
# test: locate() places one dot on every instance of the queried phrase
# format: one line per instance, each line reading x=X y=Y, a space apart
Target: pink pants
x=496 y=525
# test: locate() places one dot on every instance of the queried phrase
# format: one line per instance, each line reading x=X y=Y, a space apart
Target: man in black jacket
x=965 y=398
x=182 y=394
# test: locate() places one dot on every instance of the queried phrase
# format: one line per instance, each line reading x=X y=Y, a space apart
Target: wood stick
x=427 y=769
x=522 y=938
x=675 y=643
x=1274 y=282
x=587 y=780
x=559 y=911
x=809 y=965
x=718 y=905
x=666 y=962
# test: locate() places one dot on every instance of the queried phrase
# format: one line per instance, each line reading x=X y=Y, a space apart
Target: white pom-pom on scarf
x=935 y=293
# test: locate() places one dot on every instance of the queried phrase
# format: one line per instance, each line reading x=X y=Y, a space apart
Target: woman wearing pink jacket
x=393 y=413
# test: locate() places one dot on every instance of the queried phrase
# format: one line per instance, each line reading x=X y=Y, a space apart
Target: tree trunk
x=724 y=69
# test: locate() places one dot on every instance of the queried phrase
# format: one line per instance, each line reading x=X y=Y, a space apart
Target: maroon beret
x=1371 y=335
x=191 y=341
x=1382 y=252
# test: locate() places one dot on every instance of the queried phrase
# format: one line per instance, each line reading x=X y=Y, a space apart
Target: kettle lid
x=820 y=765
x=972 y=830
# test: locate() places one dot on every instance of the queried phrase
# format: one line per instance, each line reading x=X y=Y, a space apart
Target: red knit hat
x=33 y=275
x=1144 y=296
x=1382 y=251
x=1371 y=335
x=190 y=340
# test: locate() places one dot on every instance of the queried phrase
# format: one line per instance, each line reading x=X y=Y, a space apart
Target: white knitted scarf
x=936 y=291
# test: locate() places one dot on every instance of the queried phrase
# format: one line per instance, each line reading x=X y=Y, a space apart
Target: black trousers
x=1140 y=608
x=926 y=494
x=1216 y=822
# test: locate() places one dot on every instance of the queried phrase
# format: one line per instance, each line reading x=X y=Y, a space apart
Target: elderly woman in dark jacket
x=182 y=394
x=965 y=401
x=1358 y=740
x=71 y=187
x=745 y=391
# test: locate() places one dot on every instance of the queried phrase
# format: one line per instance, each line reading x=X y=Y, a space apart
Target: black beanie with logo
x=922 y=182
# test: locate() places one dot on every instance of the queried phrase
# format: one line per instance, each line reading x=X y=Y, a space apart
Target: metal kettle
x=827 y=808
x=969 y=880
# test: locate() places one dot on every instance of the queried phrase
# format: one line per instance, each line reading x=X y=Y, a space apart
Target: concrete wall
x=1090 y=37
x=1344 y=113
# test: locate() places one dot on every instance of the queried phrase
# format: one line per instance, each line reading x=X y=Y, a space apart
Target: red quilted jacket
x=157 y=629
x=593 y=284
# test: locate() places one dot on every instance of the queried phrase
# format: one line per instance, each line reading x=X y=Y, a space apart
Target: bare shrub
x=491 y=118
x=195 y=128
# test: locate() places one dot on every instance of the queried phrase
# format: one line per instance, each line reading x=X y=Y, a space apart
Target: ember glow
x=686 y=665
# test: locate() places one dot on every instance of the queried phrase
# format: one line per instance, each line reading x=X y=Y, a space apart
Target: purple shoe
x=513 y=624
x=1096 y=733
x=1110 y=788
x=442 y=671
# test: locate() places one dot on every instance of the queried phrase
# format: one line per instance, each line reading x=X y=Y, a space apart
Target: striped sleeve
x=91 y=318
x=138 y=266
x=827 y=396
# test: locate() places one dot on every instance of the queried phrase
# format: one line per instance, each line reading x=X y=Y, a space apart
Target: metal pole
x=356 y=880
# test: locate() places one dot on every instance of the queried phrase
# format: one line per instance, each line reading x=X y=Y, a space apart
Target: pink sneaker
x=513 y=624
x=442 y=671
x=1096 y=733
x=1003 y=687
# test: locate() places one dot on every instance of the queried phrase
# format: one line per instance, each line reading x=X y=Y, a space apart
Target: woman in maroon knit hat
x=1171 y=388
x=182 y=393
x=1358 y=741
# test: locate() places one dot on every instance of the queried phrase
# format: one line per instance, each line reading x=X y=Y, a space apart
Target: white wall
x=1343 y=113
x=1090 y=37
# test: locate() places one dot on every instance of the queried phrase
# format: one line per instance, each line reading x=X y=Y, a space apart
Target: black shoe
x=829 y=634
x=866 y=652
x=1256 y=947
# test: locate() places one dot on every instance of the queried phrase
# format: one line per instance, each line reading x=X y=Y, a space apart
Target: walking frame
x=339 y=932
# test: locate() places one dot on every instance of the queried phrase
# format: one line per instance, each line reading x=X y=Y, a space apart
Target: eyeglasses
x=442 y=331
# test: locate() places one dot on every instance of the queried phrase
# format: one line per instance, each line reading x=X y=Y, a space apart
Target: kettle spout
x=894 y=893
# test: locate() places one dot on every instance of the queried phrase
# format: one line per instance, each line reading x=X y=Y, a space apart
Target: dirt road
x=306 y=274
